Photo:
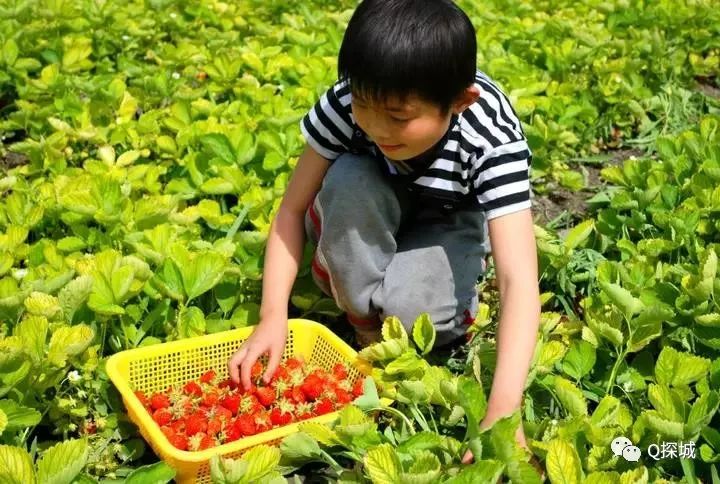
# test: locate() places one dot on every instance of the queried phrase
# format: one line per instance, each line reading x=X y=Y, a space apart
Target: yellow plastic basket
x=154 y=368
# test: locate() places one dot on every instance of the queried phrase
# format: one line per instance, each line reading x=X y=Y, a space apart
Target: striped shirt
x=483 y=159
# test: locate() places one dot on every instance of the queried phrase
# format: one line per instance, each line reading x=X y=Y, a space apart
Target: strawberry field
x=145 y=147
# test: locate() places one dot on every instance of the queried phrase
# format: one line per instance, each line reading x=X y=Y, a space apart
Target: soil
x=572 y=204
x=11 y=160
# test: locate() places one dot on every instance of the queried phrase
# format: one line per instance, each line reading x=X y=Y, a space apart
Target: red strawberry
x=265 y=395
x=343 y=397
x=208 y=376
x=167 y=431
x=340 y=371
x=357 y=388
x=303 y=411
x=256 y=371
x=201 y=441
x=223 y=412
x=162 y=416
x=195 y=423
x=279 y=418
x=280 y=374
x=232 y=433
x=312 y=387
x=246 y=424
x=179 y=441
x=211 y=398
x=262 y=420
x=215 y=426
x=143 y=398
x=293 y=363
x=192 y=388
x=178 y=425
x=324 y=406
x=227 y=383
x=159 y=400
x=231 y=402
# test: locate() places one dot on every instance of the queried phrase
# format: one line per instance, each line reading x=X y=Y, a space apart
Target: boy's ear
x=465 y=99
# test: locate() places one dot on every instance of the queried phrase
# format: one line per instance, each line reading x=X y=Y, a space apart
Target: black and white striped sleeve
x=328 y=126
x=502 y=179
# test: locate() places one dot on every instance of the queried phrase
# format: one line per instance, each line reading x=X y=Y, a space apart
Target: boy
x=411 y=158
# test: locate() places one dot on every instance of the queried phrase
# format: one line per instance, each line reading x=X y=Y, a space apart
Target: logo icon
x=622 y=446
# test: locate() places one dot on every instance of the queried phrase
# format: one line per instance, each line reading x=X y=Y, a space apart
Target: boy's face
x=405 y=129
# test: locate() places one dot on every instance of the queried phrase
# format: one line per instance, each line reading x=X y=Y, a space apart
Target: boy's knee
x=352 y=174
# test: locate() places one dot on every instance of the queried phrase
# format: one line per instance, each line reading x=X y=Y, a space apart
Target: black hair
x=402 y=47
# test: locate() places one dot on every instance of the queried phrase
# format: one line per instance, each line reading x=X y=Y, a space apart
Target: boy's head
x=411 y=65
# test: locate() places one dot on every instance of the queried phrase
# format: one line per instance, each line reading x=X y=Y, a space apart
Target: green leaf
x=3 y=421
x=570 y=396
x=579 y=234
x=701 y=413
x=648 y=326
x=191 y=322
x=219 y=145
x=413 y=391
x=472 y=399
x=550 y=353
x=408 y=364
x=623 y=299
x=675 y=368
x=19 y=417
x=42 y=305
x=61 y=463
x=635 y=476
x=483 y=471
x=382 y=464
x=300 y=446
x=385 y=350
x=657 y=422
x=157 y=473
x=320 y=432
x=425 y=469
x=262 y=460
x=424 y=333
x=580 y=359
x=392 y=328
x=16 y=467
x=369 y=399
x=603 y=477
x=670 y=406
x=32 y=331
x=227 y=471
x=200 y=271
x=563 y=463
x=606 y=413
x=68 y=341
x=73 y=295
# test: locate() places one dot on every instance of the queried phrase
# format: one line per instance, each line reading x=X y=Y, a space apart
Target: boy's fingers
x=246 y=368
x=467 y=458
x=273 y=363
x=234 y=364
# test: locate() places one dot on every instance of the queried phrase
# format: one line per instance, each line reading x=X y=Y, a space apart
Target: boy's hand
x=268 y=337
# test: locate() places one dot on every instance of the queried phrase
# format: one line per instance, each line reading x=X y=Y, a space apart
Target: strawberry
x=343 y=397
x=178 y=425
x=282 y=413
x=265 y=395
x=179 y=441
x=143 y=398
x=357 y=388
x=195 y=424
x=192 y=388
x=162 y=416
x=293 y=363
x=250 y=404
x=340 y=371
x=279 y=418
x=167 y=431
x=262 y=421
x=227 y=383
x=246 y=424
x=232 y=433
x=231 y=402
x=280 y=374
x=201 y=441
x=312 y=387
x=215 y=426
x=324 y=406
x=159 y=400
x=256 y=371
x=208 y=377
x=223 y=412
x=211 y=398
x=303 y=411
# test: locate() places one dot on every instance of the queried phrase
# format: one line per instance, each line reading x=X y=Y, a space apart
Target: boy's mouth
x=390 y=147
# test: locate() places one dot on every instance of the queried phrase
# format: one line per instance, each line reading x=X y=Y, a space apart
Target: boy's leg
x=353 y=221
x=435 y=270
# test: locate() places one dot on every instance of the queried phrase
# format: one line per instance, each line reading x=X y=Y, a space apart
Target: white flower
x=633 y=157
x=74 y=376
x=19 y=274
x=176 y=75
x=173 y=15
x=126 y=37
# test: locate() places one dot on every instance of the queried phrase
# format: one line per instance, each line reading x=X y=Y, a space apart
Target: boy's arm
x=514 y=252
